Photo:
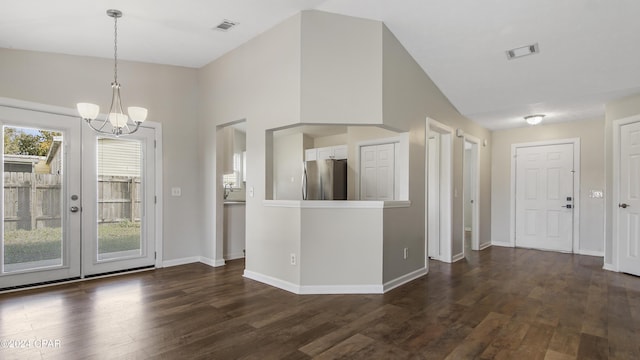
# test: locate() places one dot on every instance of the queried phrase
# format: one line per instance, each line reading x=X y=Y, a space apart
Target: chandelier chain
x=115 y=50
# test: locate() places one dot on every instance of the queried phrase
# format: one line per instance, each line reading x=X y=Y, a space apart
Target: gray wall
x=324 y=68
x=170 y=94
x=259 y=82
x=409 y=97
x=592 y=210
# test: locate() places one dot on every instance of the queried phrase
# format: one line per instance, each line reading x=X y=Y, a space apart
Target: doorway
x=231 y=163
x=66 y=214
x=471 y=191
x=626 y=207
x=439 y=193
x=545 y=181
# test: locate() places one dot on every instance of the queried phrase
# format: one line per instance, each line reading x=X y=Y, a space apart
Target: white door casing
x=439 y=182
x=628 y=204
x=545 y=197
x=433 y=194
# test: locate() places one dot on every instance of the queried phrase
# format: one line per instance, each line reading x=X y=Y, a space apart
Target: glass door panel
x=40 y=202
x=32 y=198
x=119 y=198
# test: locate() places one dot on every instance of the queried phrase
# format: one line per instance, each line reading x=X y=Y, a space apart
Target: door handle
x=568 y=206
x=623 y=205
x=74 y=209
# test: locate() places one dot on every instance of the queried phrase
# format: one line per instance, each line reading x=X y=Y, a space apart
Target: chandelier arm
x=137 y=127
x=97 y=129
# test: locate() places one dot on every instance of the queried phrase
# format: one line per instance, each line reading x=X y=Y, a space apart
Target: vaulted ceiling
x=589 y=51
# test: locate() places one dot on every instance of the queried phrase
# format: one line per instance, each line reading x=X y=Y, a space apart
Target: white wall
x=592 y=210
x=170 y=94
x=341 y=72
x=409 y=97
x=341 y=247
x=288 y=158
x=331 y=140
x=259 y=82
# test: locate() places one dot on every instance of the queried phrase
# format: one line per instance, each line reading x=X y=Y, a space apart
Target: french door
x=118 y=201
x=73 y=203
x=40 y=193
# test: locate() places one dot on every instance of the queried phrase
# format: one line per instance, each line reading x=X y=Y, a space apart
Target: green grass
x=44 y=244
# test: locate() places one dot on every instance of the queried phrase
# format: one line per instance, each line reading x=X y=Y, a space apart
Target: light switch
x=176 y=191
x=251 y=191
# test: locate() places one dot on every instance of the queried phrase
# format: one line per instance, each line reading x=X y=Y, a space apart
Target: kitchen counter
x=345 y=246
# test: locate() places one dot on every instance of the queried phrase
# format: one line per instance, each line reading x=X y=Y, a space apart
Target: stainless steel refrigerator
x=325 y=180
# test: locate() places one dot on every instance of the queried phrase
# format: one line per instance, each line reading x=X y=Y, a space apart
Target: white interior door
x=471 y=193
x=40 y=197
x=433 y=176
x=119 y=201
x=629 y=202
x=544 y=197
x=377 y=172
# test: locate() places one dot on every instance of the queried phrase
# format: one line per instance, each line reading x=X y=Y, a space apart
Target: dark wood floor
x=499 y=303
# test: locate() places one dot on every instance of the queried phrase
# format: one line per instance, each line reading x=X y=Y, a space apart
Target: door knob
x=623 y=205
x=74 y=209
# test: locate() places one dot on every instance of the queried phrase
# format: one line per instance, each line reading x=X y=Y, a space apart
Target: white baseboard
x=610 y=267
x=485 y=245
x=390 y=285
x=233 y=256
x=340 y=289
x=269 y=280
x=191 y=260
x=181 y=261
x=313 y=289
x=211 y=262
x=502 y=244
x=457 y=257
x=591 y=253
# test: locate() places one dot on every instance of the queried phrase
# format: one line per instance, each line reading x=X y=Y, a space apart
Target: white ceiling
x=589 y=51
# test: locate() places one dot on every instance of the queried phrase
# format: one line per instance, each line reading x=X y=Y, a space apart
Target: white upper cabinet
x=340 y=152
x=310 y=154
x=330 y=152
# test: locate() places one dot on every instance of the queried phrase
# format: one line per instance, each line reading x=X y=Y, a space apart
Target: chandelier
x=119 y=122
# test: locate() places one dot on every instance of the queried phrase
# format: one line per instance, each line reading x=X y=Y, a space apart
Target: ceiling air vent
x=523 y=51
x=225 y=25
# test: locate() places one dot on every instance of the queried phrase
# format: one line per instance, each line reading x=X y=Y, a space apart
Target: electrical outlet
x=176 y=191
x=293 y=259
x=406 y=253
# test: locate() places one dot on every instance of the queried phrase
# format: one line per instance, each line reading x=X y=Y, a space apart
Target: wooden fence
x=33 y=201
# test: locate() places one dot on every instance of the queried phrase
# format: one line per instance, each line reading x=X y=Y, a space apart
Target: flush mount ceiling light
x=534 y=119
x=523 y=51
x=120 y=123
